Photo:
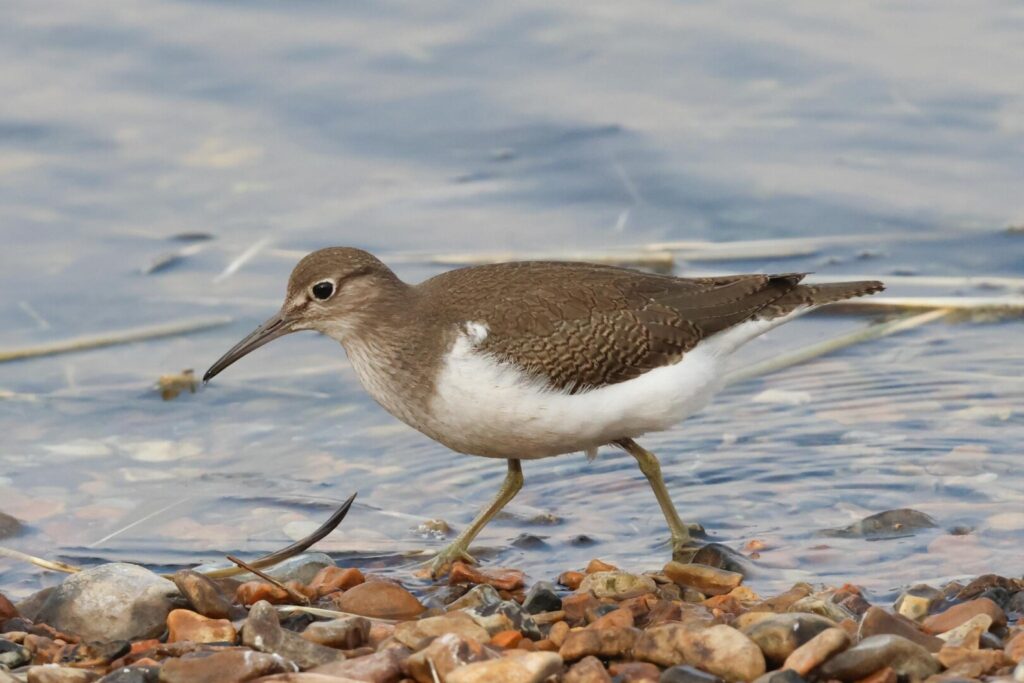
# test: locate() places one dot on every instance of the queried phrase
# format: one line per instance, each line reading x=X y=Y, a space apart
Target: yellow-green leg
x=459 y=548
x=651 y=468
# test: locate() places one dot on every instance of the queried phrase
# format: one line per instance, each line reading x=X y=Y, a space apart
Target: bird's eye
x=323 y=290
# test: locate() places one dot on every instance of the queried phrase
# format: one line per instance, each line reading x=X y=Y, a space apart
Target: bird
x=534 y=359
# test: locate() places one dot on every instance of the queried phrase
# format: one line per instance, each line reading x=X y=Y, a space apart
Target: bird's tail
x=812 y=296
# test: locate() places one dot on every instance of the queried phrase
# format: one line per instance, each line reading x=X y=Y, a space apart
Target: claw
x=443 y=561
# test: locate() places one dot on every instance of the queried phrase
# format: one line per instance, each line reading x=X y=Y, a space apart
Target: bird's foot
x=443 y=561
x=684 y=545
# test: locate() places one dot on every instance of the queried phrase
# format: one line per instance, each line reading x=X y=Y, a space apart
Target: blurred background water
x=280 y=127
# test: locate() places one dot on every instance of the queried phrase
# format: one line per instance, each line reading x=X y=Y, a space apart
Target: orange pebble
x=331 y=579
x=597 y=565
x=251 y=592
x=506 y=639
x=571 y=580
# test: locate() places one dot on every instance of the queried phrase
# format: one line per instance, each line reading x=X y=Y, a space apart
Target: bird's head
x=335 y=291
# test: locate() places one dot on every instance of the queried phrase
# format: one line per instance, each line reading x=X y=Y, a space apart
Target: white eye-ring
x=322 y=290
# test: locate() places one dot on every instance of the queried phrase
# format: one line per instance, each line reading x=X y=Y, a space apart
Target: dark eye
x=323 y=290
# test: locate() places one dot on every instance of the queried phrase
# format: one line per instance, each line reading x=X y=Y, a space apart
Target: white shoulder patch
x=476 y=331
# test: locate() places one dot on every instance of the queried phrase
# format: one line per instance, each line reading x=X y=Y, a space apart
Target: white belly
x=483 y=407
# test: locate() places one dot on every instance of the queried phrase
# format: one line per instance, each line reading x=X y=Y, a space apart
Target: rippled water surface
x=409 y=130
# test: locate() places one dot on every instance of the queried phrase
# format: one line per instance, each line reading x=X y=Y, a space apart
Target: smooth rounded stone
x=52 y=673
x=888 y=524
x=186 y=625
x=205 y=596
x=9 y=526
x=533 y=667
x=708 y=580
x=478 y=596
x=599 y=642
x=262 y=632
x=501 y=578
x=416 y=635
x=114 y=601
x=7 y=608
x=346 y=633
x=13 y=655
x=721 y=557
x=379 y=599
x=332 y=579
x=684 y=673
x=723 y=651
x=878 y=622
x=817 y=651
x=542 y=598
x=304 y=677
x=916 y=602
x=968 y=634
x=1015 y=648
x=133 y=674
x=383 y=666
x=226 y=666
x=617 y=585
x=780 y=634
x=903 y=656
x=587 y=670
x=634 y=672
x=504 y=616
x=446 y=653
x=958 y=614
x=823 y=607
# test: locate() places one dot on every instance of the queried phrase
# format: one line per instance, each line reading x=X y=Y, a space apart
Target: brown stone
x=571 y=580
x=331 y=579
x=596 y=565
x=262 y=632
x=620 y=618
x=251 y=592
x=877 y=621
x=500 y=578
x=416 y=635
x=971 y=662
x=50 y=673
x=227 y=666
x=383 y=666
x=447 y=653
x=604 y=643
x=617 y=585
x=886 y=675
x=576 y=606
x=345 y=633
x=783 y=601
x=661 y=644
x=7 y=610
x=587 y=670
x=532 y=667
x=708 y=580
x=559 y=631
x=183 y=624
x=205 y=596
x=958 y=614
x=635 y=672
x=723 y=651
x=817 y=650
x=780 y=635
x=1015 y=648
x=380 y=599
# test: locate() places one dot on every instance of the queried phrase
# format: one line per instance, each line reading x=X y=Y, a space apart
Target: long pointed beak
x=276 y=326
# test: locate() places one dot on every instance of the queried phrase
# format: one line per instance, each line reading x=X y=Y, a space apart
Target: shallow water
x=539 y=127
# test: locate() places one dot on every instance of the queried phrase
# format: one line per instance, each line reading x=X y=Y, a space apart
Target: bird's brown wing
x=580 y=326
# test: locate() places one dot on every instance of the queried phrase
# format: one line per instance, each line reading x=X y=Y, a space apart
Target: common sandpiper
x=528 y=360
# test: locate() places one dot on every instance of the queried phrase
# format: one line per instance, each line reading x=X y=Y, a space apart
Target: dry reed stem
x=115 y=337
x=812 y=351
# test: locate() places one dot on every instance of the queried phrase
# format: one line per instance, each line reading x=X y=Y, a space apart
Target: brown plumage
x=581 y=326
